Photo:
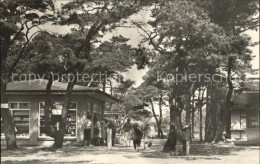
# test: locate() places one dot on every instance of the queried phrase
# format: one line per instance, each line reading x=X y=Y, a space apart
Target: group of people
x=135 y=131
x=131 y=131
x=100 y=127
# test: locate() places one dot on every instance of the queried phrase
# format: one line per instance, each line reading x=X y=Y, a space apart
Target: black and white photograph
x=130 y=81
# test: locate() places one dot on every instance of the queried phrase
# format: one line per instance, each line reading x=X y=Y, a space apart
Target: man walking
x=127 y=127
x=137 y=136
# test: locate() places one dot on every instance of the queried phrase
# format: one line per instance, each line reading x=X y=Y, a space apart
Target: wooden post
x=58 y=126
x=187 y=136
x=92 y=120
x=109 y=138
x=145 y=139
x=192 y=116
x=187 y=147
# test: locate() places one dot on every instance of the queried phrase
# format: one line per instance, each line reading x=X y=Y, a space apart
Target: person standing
x=112 y=125
x=127 y=128
x=104 y=123
x=137 y=136
x=87 y=131
x=97 y=131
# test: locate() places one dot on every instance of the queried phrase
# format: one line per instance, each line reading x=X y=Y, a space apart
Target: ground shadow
x=198 y=151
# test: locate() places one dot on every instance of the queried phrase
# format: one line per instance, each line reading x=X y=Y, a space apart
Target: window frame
x=243 y=117
x=249 y=120
x=17 y=109
x=39 y=121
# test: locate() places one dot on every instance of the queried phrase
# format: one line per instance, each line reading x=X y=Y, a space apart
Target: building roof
x=249 y=97
x=39 y=87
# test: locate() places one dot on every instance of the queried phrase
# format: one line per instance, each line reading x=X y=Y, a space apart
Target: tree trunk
x=175 y=128
x=228 y=125
x=160 y=132
x=67 y=100
x=188 y=110
x=8 y=120
x=200 y=114
x=211 y=114
x=208 y=118
x=218 y=117
x=192 y=117
x=155 y=117
x=226 y=113
x=186 y=143
x=49 y=129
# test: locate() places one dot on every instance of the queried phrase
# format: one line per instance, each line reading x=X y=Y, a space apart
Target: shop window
x=238 y=120
x=252 y=119
x=55 y=118
x=21 y=114
x=242 y=120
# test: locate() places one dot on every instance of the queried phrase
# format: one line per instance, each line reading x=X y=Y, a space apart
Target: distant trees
x=131 y=105
x=150 y=94
x=110 y=59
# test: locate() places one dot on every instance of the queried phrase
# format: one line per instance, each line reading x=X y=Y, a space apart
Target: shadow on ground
x=198 y=151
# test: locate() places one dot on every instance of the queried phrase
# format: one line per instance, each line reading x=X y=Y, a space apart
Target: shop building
x=26 y=104
x=245 y=114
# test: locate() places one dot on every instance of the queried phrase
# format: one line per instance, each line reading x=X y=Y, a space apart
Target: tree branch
x=20 y=54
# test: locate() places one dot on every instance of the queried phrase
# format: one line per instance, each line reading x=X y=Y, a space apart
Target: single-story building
x=26 y=104
x=245 y=115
